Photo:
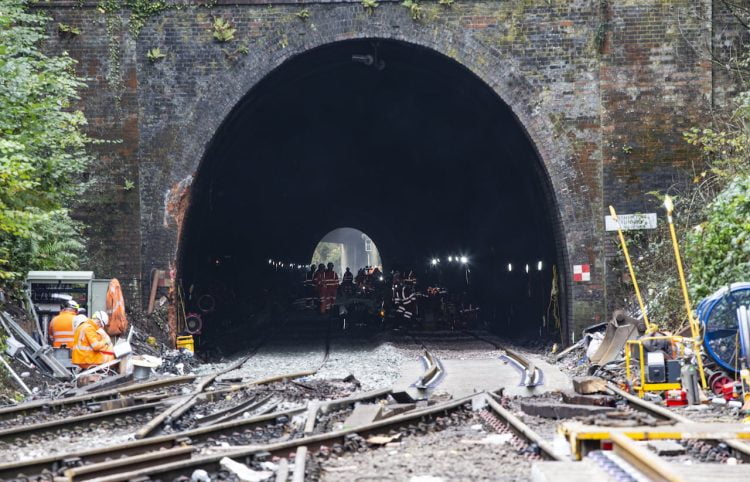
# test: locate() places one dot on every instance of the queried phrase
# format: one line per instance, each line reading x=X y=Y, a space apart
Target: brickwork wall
x=111 y=204
x=656 y=83
x=602 y=87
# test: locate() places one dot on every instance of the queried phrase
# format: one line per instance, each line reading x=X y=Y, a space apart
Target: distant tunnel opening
x=396 y=140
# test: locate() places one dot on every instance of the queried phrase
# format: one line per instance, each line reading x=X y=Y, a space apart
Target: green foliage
x=370 y=5
x=141 y=10
x=66 y=30
x=223 y=30
x=627 y=149
x=128 y=185
x=415 y=9
x=719 y=248
x=155 y=54
x=712 y=216
x=446 y=3
x=109 y=6
x=326 y=252
x=303 y=14
x=42 y=148
x=234 y=55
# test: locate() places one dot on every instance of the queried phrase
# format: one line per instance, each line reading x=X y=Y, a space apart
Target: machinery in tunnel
x=413 y=149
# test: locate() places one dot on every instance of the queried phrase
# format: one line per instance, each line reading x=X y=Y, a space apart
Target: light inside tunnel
x=420 y=154
x=347 y=248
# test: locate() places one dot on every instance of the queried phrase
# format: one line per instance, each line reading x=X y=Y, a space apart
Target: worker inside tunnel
x=409 y=148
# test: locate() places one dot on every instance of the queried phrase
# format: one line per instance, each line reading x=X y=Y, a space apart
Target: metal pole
x=650 y=328
x=18 y=379
x=694 y=328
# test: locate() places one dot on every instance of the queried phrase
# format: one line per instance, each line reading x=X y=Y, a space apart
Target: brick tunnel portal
x=393 y=139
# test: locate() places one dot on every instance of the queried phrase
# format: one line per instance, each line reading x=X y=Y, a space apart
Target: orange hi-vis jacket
x=92 y=345
x=61 y=329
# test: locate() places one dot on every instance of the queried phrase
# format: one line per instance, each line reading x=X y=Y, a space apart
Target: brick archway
x=573 y=216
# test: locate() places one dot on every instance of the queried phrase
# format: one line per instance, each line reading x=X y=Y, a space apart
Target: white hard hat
x=101 y=316
x=78 y=319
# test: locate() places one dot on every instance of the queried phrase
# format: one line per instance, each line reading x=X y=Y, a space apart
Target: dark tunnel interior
x=389 y=138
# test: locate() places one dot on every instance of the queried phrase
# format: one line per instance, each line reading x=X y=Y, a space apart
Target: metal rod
x=694 y=328
x=650 y=328
x=18 y=379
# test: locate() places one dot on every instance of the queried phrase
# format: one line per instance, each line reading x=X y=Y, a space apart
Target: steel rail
x=740 y=449
x=648 y=463
x=181 y=407
x=433 y=370
x=530 y=377
x=10 y=434
x=136 y=462
x=224 y=416
x=523 y=430
x=313 y=443
x=137 y=447
x=196 y=435
x=26 y=409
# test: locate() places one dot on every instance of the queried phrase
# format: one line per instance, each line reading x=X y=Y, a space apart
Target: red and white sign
x=581 y=272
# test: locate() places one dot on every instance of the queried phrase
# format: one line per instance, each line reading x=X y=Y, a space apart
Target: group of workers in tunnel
x=321 y=284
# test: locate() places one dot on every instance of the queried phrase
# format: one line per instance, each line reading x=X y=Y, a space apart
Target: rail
x=26 y=409
x=648 y=463
x=174 y=468
x=531 y=374
x=160 y=443
x=523 y=430
x=740 y=449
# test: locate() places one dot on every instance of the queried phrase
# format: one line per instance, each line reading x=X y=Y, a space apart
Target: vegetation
x=719 y=247
x=223 y=30
x=326 y=252
x=68 y=30
x=141 y=10
x=303 y=14
x=155 y=54
x=712 y=216
x=43 y=150
x=415 y=9
x=370 y=5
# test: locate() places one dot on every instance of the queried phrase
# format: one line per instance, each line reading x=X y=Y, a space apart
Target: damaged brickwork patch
x=176 y=202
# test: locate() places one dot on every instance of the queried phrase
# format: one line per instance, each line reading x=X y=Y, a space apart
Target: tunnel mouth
x=398 y=140
x=349 y=249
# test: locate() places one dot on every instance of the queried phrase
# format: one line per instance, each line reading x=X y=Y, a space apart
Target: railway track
x=736 y=448
x=238 y=432
x=277 y=433
x=153 y=413
x=136 y=393
x=166 y=462
x=530 y=374
x=248 y=427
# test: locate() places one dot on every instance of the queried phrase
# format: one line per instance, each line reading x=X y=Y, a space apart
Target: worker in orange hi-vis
x=331 y=286
x=92 y=344
x=319 y=280
x=118 y=321
x=61 y=326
